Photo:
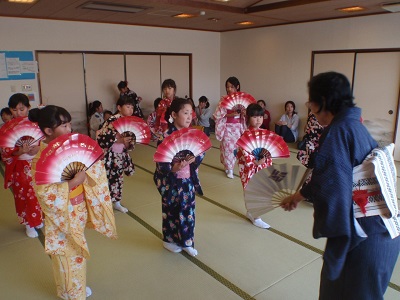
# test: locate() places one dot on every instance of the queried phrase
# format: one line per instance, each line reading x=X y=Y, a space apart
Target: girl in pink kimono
x=69 y=207
x=229 y=126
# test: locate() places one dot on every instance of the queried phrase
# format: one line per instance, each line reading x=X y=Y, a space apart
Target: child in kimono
x=160 y=125
x=229 y=125
x=69 y=207
x=177 y=183
x=116 y=147
x=248 y=164
x=17 y=162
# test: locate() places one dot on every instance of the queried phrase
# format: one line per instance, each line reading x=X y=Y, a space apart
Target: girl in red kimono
x=168 y=89
x=248 y=164
x=18 y=173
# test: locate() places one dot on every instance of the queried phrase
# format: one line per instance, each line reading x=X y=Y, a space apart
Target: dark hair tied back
x=51 y=116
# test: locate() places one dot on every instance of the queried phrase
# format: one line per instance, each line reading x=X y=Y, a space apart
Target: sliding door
x=102 y=74
x=62 y=84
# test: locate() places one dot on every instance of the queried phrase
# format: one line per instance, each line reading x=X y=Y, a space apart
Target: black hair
x=50 y=116
x=176 y=105
x=18 y=98
x=294 y=106
x=203 y=99
x=125 y=100
x=156 y=102
x=5 y=110
x=192 y=103
x=254 y=110
x=168 y=83
x=331 y=91
x=93 y=106
x=234 y=81
x=122 y=84
x=262 y=101
x=107 y=112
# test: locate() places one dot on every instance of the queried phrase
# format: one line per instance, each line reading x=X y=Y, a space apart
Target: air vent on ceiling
x=113 y=7
x=392 y=7
x=165 y=13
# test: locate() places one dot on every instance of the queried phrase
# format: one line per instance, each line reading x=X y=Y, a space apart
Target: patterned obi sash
x=374 y=188
x=183 y=173
x=235 y=119
x=76 y=195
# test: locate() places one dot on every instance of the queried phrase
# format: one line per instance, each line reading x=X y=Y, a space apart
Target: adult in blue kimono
x=360 y=254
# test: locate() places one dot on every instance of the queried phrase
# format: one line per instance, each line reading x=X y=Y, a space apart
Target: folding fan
x=20 y=131
x=268 y=187
x=135 y=127
x=189 y=139
x=65 y=156
x=238 y=100
x=263 y=143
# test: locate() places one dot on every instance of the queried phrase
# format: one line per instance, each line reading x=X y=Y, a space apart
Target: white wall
x=31 y=34
x=274 y=63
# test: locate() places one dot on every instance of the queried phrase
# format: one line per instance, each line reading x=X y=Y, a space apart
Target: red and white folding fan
x=135 y=127
x=190 y=139
x=20 y=131
x=263 y=143
x=237 y=101
x=269 y=186
x=65 y=156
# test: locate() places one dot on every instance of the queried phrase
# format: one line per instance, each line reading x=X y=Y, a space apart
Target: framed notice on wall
x=17 y=65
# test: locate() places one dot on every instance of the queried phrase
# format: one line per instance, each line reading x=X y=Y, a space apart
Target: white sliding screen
x=103 y=72
x=62 y=84
x=338 y=62
x=177 y=68
x=143 y=76
x=376 y=91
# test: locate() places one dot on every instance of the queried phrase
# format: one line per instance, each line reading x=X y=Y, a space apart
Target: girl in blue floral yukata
x=177 y=183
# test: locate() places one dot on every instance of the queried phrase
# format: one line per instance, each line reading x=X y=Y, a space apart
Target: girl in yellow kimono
x=69 y=207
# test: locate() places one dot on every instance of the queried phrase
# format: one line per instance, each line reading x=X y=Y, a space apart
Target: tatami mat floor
x=236 y=260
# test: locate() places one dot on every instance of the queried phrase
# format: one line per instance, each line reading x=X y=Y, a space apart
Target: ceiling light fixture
x=113 y=7
x=352 y=9
x=245 y=23
x=22 y=1
x=184 y=16
x=213 y=19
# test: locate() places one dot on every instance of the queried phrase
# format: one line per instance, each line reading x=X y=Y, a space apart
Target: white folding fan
x=191 y=139
x=269 y=186
x=20 y=131
x=135 y=127
x=237 y=101
x=65 y=156
x=263 y=143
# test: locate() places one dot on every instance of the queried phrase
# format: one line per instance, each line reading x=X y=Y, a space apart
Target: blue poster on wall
x=17 y=65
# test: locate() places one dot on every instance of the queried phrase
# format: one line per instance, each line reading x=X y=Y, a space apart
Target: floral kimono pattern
x=178 y=200
x=18 y=177
x=227 y=134
x=247 y=165
x=116 y=163
x=65 y=223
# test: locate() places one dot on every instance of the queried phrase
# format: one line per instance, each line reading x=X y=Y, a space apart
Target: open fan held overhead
x=268 y=187
x=263 y=143
x=134 y=127
x=65 y=156
x=19 y=132
x=237 y=101
x=187 y=139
